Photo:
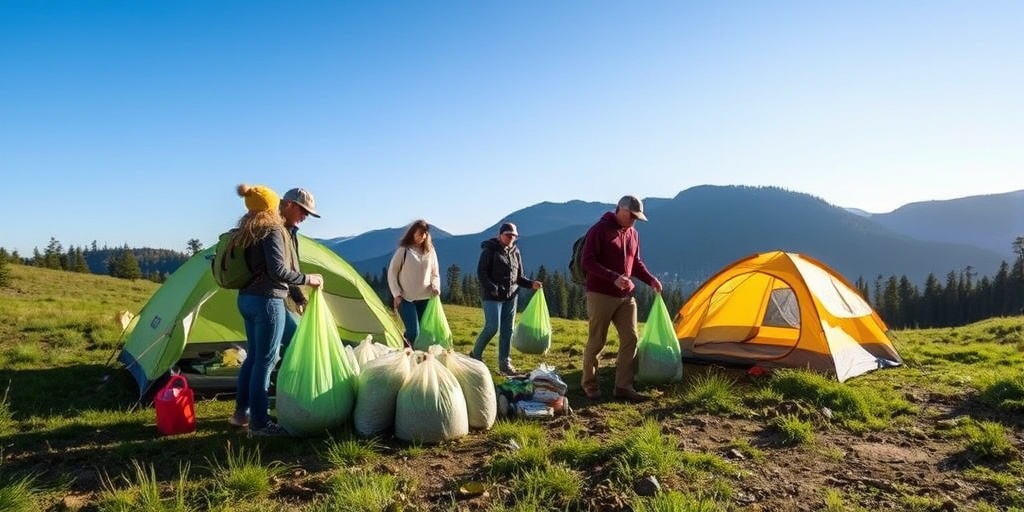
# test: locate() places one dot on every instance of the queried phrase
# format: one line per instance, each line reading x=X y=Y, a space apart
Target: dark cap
x=634 y=205
x=508 y=227
x=303 y=198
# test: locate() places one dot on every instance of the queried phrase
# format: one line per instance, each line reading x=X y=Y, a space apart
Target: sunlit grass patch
x=646 y=452
x=857 y=407
x=513 y=462
x=674 y=501
x=577 y=450
x=746 y=449
x=23 y=354
x=141 y=492
x=1004 y=390
x=243 y=475
x=348 y=452
x=794 y=431
x=363 y=491
x=712 y=393
x=523 y=432
x=555 y=486
x=18 y=494
x=987 y=440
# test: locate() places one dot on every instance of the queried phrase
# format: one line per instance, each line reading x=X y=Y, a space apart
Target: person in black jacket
x=500 y=271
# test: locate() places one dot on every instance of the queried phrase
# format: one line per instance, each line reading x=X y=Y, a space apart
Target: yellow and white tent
x=784 y=309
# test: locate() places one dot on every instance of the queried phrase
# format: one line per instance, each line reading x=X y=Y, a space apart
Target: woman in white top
x=414 y=276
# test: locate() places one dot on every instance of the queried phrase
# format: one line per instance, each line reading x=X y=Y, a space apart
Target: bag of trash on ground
x=477 y=386
x=379 y=383
x=434 y=328
x=532 y=334
x=368 y=350
x=659 y=358
x=431 y=407
x=316 y=383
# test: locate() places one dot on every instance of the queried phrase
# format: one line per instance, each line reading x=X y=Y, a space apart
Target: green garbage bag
x=533 y=333
x=316 y=382
x=434 y=328
x=659 y=358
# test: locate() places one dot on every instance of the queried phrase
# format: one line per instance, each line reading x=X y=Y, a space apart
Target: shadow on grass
x=66 y=391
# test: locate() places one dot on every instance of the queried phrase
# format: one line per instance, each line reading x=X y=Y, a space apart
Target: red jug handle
x=176 y=379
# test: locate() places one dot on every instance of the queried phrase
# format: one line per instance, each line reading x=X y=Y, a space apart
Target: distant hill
x=988 y=221
x=374 y=243
x=702 y=229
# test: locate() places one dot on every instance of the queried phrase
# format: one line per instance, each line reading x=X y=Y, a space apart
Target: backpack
x=230 y=269
x=577 y=273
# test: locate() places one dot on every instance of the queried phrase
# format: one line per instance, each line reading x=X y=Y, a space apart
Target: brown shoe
x=593 y=394
x=629 y=395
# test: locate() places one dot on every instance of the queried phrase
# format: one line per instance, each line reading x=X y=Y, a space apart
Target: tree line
x=121 y=262
x=962 y=297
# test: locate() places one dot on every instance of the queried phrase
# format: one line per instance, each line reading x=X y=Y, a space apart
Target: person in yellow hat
x=270 y=255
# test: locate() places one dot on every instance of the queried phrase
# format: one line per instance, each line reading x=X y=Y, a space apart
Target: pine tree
x=454 y=285
x=78 y=263
x=52 y=255
x=37 y=258
x=5 y=272
x=123 y=264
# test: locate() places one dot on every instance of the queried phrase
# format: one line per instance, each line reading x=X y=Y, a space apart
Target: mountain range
x=696 y=233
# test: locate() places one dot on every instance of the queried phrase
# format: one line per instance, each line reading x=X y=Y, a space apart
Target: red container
x=175 y=407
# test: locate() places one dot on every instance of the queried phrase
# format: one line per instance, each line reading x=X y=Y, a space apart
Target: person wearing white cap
x=611 y=257
x=500 y=271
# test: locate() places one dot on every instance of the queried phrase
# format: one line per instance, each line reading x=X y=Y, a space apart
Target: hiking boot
x=239 y=419
x=593 y=394
x=508 y=370
x=270 y=430
x=629 y=395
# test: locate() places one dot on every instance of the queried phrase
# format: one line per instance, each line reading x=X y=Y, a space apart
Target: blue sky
x=132 y=122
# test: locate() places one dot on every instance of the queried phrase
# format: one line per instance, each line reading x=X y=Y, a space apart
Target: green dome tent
x=190 y=310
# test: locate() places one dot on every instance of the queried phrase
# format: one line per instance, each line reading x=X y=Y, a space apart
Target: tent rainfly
x=189 y=308
x=781 y=309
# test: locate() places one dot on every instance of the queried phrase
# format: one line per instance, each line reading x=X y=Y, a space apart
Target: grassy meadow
x=942 y=432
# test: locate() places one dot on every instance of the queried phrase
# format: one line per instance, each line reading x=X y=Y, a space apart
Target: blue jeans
x=411 y=311
x=264 y=319
x=498 y=315
x=291 y=322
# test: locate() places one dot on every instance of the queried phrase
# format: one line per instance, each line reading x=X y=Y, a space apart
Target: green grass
x=61 y=401
x=140 y=492
x=19 y=494
x=363 y=491
x=793 y=430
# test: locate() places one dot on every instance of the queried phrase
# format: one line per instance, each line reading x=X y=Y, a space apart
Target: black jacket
x=500 y=270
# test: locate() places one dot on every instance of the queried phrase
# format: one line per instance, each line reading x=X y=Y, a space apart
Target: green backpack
x=577 y=273
x=230 y=270
x=229 y=267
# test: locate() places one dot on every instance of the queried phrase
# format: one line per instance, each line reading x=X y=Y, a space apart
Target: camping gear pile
x=540 y=395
